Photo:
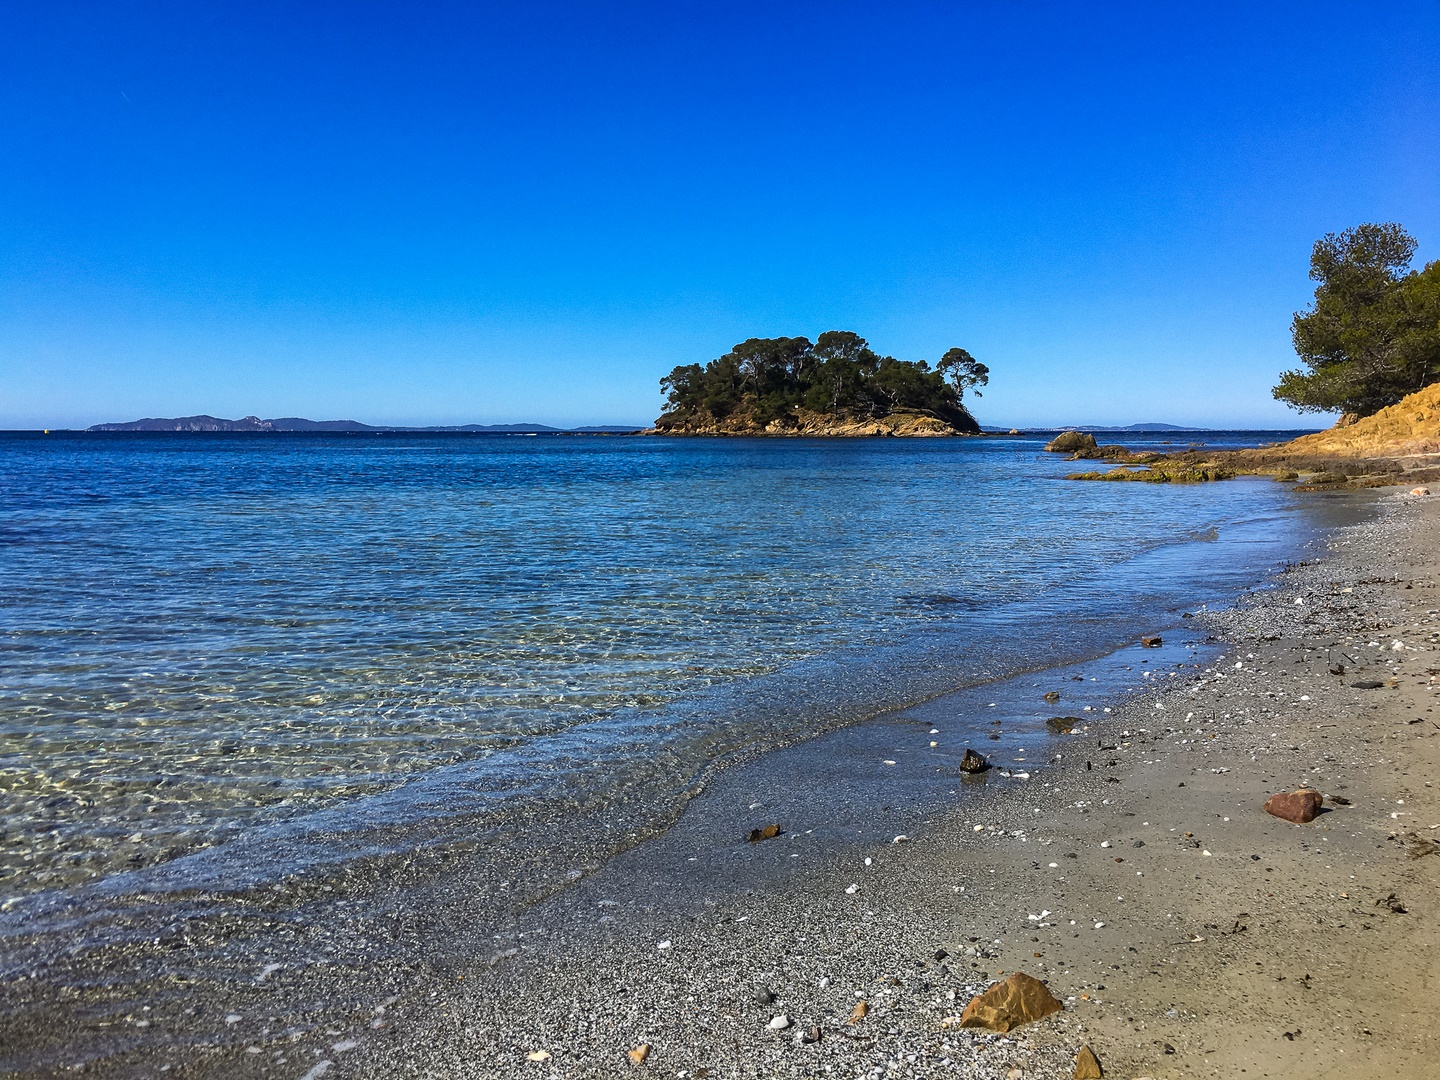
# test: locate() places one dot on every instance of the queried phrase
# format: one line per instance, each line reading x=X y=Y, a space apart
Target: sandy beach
x=1187 y=932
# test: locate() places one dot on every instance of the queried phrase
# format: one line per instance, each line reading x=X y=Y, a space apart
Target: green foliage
x=963 y=372
x=1373 y=334
x=838 y=374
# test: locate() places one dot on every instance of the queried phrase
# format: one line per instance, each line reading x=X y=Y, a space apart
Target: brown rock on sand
x=1006 y=1005
x=1297 y=806
x=1087 y=1065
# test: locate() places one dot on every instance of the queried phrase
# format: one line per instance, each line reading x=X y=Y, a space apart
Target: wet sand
x=1187 y=932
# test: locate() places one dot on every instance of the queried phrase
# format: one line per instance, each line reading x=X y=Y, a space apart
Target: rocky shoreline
x=1399 y=445
x=902 y=423
x=1186 y=932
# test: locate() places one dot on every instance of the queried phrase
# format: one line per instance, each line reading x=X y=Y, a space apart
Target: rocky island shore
x=1399 y=444
x=836 y=386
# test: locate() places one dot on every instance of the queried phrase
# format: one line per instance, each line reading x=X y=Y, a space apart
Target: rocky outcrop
x=1071 y=442
x=1410 y=428
x=905 y=423
x=1397 y=445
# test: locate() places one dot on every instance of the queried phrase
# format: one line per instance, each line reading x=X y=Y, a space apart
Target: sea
x=237 y=664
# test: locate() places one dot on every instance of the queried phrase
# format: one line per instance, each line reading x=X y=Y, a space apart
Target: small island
x=835 y=386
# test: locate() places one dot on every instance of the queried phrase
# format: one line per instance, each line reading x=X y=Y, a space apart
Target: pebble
x=779 y=1023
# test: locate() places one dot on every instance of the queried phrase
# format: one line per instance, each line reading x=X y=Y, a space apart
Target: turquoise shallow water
x=209 y=639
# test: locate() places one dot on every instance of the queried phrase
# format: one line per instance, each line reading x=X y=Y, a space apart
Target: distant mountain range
x=299 y=423
x=1101 y=427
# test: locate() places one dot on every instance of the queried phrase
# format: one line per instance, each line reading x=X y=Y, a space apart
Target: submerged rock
x=1063 y=725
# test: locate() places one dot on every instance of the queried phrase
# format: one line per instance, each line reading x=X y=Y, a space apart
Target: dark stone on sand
x=1367 y=684
x=1153 y=642
x=973 y=762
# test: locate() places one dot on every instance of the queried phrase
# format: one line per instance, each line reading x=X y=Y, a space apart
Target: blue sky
x=475 y=213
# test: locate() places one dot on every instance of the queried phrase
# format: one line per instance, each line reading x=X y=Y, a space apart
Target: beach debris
x=1392 y=904
x=1063 y=725
x=639 y=1054
x=1052 y=696
x=764 y=995
x=1420 y=491
x=973 y=762
x=1018 y=1000
x=851 y=889
x=813 y=1035
x=769 y=832
x=538 y=1055
x=1087 y=1065
x=779 y=1023
x=1338 y=800
x=665 y=945
x=1154 y=641
x=1367 y=684
x=901 y=839
x=862 y=1008
x=1297 y=806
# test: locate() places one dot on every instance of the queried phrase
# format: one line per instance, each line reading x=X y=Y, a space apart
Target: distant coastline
x=206 y=423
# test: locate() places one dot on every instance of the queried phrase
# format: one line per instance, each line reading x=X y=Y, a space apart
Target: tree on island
x=1373 y=333
x=838 y=375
